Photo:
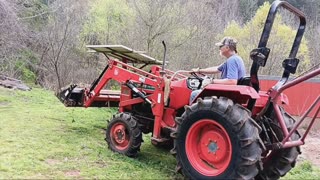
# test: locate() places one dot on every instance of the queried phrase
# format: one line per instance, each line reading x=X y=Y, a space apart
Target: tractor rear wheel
x=281 y=161
x=216 y=139
x=123 y=135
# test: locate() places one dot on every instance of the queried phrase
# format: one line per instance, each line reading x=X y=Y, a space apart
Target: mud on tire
x=123 y=135
x=216 y=139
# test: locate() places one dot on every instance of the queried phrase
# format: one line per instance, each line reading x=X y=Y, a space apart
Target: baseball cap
x=228 y=41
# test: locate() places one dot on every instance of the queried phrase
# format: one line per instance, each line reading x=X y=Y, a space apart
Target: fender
x=238 y=93
x=263 y=100
x=264 y=96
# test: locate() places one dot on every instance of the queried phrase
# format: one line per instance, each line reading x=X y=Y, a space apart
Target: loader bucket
x=71 y=96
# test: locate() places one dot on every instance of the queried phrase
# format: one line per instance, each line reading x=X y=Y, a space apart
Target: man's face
x=223 y=50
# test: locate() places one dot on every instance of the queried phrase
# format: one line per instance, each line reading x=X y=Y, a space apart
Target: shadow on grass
x=56 y=119
x=158 y=158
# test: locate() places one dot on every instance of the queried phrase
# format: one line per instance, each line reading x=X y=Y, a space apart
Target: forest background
x=44 y=41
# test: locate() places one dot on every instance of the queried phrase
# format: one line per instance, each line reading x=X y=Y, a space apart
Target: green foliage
x=107 y=19
x=247 y=8
x=280 y=41
x=305 y=170
x=35 y=13
x=157 y=21
x=24 y=66
x=28 y=76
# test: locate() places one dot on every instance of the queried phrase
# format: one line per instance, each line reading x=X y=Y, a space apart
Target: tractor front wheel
x=123 y=135
x=216 y=139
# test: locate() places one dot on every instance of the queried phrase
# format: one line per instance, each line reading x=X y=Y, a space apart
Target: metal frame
x=263 y=51
x=274 y=99
x=122 y=73
x=260 y=56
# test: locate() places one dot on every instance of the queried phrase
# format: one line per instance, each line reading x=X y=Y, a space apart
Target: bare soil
x=311 y=149
x=74 y=173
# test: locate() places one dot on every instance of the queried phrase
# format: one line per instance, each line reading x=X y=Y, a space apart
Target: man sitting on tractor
x=231 y=70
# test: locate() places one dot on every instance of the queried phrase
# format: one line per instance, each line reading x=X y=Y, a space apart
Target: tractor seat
x=245 y=81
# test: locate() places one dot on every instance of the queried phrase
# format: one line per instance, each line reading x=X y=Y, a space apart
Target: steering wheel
x=200 y=78
x=196 y=75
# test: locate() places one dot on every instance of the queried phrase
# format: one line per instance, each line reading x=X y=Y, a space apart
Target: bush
x=24 y=66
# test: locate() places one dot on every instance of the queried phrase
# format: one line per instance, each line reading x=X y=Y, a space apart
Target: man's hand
x=196 y=70
x=206 y=81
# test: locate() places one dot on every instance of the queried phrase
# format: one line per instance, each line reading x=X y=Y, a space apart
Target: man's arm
x=225 y=81
x=209 y=70
x=232 y=74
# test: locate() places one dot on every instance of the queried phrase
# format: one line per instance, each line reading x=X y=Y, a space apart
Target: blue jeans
x=194 y=94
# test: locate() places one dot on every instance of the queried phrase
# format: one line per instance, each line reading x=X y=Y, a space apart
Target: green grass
x=304 y=170
x=42 y=139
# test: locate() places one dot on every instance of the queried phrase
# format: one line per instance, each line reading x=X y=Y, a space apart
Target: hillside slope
x=40 y=138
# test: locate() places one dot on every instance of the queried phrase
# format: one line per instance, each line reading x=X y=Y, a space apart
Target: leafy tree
x=35 y=13
x=106 y=22
x=280 y=41
x=57 y=44
x=13 y=38
x=192 y=42
x=247 y=9
x=159 y=20
x=24 y=65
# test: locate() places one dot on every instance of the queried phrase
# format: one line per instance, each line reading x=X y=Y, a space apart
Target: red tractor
x=227 y=132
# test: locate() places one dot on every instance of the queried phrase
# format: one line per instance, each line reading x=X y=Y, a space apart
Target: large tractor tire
x=281 y=161
x=123 y=135
x=216 y=139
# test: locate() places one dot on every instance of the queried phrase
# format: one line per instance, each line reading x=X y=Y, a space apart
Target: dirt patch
x=311 y=149
x=52 y=161
x=101 y=163
x=38 y=176
x=73 y=173
x=4 y=104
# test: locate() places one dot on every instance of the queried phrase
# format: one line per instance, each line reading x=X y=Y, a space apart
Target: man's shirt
x=233 y=68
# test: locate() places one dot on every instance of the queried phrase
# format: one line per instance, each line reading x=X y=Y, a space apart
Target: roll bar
x=260 y=54
x=269 y=22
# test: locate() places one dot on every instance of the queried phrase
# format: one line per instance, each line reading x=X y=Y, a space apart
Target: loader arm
x=122 y=73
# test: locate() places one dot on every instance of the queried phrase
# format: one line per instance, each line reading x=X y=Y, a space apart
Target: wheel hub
x=213 y=147
x=119 y=136
x=119 y=133
x=208 y=147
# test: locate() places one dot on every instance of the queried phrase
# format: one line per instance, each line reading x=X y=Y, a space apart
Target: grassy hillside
x=40 y=138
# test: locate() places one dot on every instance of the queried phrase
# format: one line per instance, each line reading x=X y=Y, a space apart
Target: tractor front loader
x=227 y=132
